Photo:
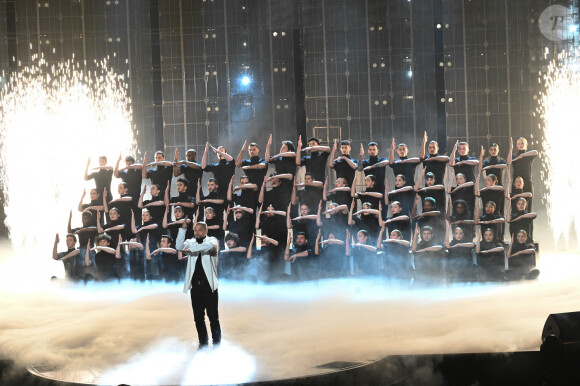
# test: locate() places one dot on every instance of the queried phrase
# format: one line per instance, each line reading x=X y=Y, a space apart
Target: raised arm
x=205 y=154
x=54 y=248
x=352 y=188
x=118 y=249
x=230 y=187
x=267 y=152
x=449 y=204
x=415 y=203
x=87 y=169
x=250 y=247
x=140 y=203
x=198 y=193
x=133 y=228
x=261 y=195
x=317 y=243
x=350 y=222
x=476 y=211
x=87 y=254
x=69 y=228
x=288 y=219
x=386 y=192
x=144 y=169
x=164 y=222
x=80 y=207
x=116 y=171
x=225 y=224
x=176 y=163
x=420 y=179
x=392 y=152
x=508 y=216
x=166 y=196
x=347 y=246
x=360 y=157
x=147 y=251
x=480 y=166
x=287 y=249
x=509 y=251
x=324 y=189
x=380 y=238
x=318 y=218
x=299 y=151
x=422 y=148
x=332 y=154
x=99 y=228
x=258 y=216
x=478 y=239
x=415 y=235
x=179 y=243
x=452 y=157
x=241 y=155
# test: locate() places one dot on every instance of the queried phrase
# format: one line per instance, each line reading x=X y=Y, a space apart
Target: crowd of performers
x=312 y=212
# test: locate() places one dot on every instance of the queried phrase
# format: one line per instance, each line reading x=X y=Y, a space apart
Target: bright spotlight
x=246 y=80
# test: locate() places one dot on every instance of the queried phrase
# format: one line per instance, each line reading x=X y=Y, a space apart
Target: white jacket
x=209 y=258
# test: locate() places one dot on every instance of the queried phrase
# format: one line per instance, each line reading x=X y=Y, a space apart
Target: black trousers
x=202 y=300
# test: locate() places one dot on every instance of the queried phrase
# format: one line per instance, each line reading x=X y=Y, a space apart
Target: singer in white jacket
x=201 y=279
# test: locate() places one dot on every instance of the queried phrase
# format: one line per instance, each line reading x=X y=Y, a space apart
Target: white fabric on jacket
x=209 y=258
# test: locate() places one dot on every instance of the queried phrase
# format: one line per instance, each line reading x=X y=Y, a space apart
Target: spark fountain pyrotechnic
x=558 y=108
x=52 y=118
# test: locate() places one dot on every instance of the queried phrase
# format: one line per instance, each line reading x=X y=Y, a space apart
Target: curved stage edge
x=508 y=368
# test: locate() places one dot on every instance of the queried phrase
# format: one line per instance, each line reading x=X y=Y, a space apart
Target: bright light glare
x=559 y=112
x=246 y=80
x=157 y=366
x=52 y=118
x=224 y=365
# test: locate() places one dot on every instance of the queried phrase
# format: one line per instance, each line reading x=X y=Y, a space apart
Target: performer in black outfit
x=375 y=165
x=522 y=165
x=433 y=162
x=102 y=175
x=404 y=165
x=160 y=172
x=521 y=258
x=315 y=158
x=190 y=169
x=132 y=175
x=494 y=164
x=490 y=256
x=254 y=167
x=345 y=166
x=222 y=171
x=67 y=257
x=464 y=164
x=460 y=264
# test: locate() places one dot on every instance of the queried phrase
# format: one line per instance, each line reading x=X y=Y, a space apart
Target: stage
x=143 y=333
